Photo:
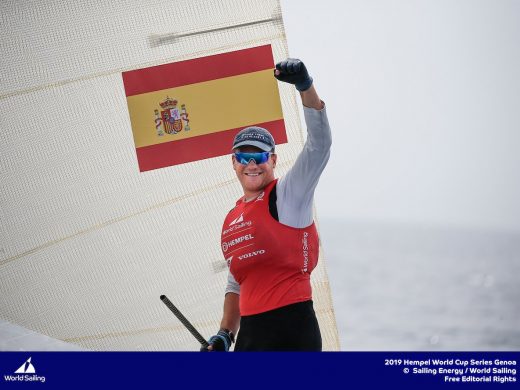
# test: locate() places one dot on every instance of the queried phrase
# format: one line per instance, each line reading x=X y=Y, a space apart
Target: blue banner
x=354 y=370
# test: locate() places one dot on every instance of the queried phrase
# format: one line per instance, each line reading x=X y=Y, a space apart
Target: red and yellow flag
x=191 y=110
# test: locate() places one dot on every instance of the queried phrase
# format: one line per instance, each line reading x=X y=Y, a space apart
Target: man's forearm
x=311 y=99
x=231 y=316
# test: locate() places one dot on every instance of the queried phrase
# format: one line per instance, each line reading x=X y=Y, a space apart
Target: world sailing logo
x=26 y=368
x=23 y=371
x=236 y=224
x=237 y=220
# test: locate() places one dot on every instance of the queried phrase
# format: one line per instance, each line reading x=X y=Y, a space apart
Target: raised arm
x=295 y=191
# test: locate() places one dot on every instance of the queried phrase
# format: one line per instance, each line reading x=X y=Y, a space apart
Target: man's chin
x=253 y=185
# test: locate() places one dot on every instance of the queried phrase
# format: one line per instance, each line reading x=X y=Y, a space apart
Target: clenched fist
x=293 y=71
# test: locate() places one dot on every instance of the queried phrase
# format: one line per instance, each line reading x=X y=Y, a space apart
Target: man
x=269 y=239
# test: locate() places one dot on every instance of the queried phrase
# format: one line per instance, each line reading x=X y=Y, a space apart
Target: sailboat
x=88 y=239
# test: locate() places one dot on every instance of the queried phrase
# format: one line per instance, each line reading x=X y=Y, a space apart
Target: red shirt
x=272 y=262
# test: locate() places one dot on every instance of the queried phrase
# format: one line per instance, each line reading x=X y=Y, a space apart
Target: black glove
x=293 y=71
x=221 y=342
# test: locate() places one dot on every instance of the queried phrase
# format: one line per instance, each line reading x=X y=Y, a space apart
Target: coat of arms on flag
x=171 y=120
x=224 y=93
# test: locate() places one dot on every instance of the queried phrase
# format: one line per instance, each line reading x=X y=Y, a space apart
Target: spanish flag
x=191 y=110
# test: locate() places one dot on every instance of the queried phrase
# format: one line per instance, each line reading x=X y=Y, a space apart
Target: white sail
x=87 y=242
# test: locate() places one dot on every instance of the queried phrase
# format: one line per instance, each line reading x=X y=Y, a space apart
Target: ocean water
x=413 y=288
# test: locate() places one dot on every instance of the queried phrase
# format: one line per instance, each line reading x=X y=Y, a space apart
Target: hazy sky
x=424 y=102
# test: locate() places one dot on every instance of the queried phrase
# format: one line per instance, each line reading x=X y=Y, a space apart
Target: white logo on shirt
x=228 y=244
x=251 y=254
x=237 y=220
x=305 y=252
x=237 y=227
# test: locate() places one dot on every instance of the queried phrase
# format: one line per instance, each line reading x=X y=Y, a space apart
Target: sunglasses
x=258 y=158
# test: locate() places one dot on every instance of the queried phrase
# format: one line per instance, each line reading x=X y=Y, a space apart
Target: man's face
x=254 y=177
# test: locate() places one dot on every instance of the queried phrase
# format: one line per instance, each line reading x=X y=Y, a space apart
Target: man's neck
x=249 y=196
